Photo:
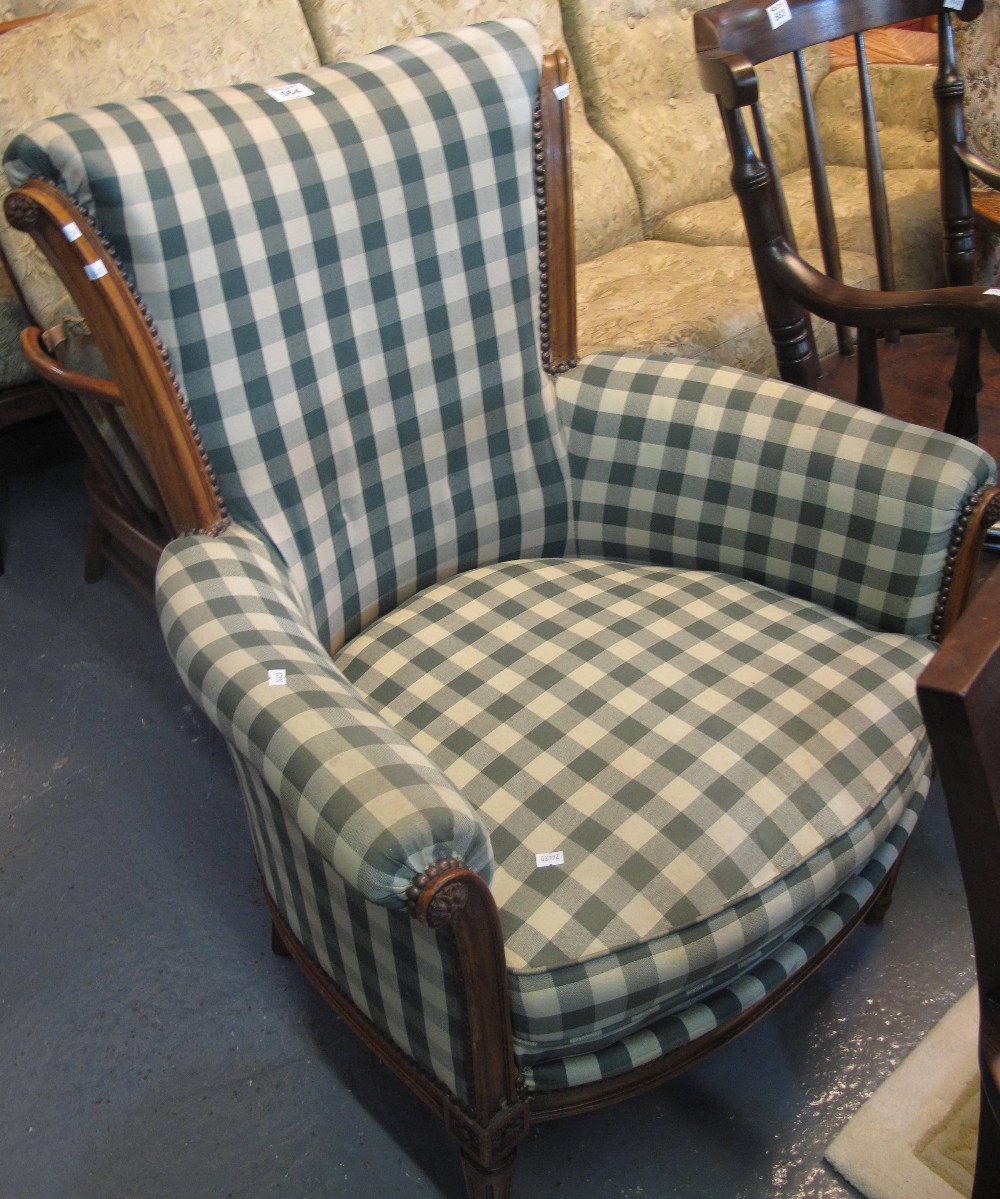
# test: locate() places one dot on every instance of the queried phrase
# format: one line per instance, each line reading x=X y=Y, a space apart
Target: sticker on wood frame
x=778 y=13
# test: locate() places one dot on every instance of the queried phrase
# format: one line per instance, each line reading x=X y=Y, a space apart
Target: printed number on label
x=289 y=91
x=779 y=13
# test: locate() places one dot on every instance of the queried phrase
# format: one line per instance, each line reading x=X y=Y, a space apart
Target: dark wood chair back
x=731 y=40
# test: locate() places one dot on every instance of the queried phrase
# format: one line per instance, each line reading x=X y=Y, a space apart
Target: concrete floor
x=153 y=1048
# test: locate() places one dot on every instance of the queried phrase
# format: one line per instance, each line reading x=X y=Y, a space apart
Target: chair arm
x=956 y=307
x=687 y=464
x=983 y=168
x=376 y=809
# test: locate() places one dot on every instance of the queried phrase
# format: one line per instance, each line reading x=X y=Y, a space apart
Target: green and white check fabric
x=347 y=284
x=399 y=973
x=372 y=804
x=696 y=465
x=661 y=619
x=711 y=760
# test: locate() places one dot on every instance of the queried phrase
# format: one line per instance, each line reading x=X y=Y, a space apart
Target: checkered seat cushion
x=711 y=761
x=661 y=619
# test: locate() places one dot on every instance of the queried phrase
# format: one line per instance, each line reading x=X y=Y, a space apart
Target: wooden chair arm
x=451 y=896
x=93 y=387
x=956 y=307
x=730 y=76
x=982 y=168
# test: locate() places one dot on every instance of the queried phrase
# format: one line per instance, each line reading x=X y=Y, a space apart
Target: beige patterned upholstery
x=636 y=68
x=977 y=47
x=112 y=50
x=666 y=297
x=635 y=61
x=12 y=10
x=13 y=368
x=904 y=103
x=607 y=211
x=913 y=203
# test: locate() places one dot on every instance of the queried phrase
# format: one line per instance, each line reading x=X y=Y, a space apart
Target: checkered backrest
x=343 y=267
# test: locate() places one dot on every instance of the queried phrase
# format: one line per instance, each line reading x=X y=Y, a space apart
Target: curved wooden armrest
x=982 y=168
x=730 y=76
x=957 y=307
x=91 y=386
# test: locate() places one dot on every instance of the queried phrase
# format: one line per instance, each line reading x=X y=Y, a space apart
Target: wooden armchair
x=573 y=704
x=731 y=39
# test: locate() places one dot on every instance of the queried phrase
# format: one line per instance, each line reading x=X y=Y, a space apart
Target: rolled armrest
x=376 y=809
x=686 y=464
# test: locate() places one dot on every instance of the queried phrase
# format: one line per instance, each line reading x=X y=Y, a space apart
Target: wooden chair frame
x=959 y=695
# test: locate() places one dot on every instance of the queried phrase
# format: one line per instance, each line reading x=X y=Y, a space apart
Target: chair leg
x=869 y=379
x=278 y=946
x=489 y=1182
x=876 y=914
x=986 y=1184
x=966 y=383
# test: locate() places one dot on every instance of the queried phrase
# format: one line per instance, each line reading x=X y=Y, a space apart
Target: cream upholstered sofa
x=662 y=263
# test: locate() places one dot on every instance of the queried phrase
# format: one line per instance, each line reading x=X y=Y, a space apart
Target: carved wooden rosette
x=436 y=896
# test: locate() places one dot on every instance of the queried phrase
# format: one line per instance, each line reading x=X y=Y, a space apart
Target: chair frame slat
x=826 y=222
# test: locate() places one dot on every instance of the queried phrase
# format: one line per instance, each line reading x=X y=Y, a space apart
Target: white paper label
x=276 y=678
x=72 y=231
x=957 y=5
x=779 y=13
x=95 y=270
x=289 y=91
x=992 y=291
x=561 y=91
x=555 y=858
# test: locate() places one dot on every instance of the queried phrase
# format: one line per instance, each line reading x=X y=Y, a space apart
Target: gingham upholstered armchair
x=575 y=711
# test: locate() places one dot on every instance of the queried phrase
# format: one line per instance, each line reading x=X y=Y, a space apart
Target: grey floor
x=151 y=1046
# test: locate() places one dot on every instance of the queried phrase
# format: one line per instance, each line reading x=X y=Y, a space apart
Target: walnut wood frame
x=730 y=43
x=449 y=898
x=959 y=694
